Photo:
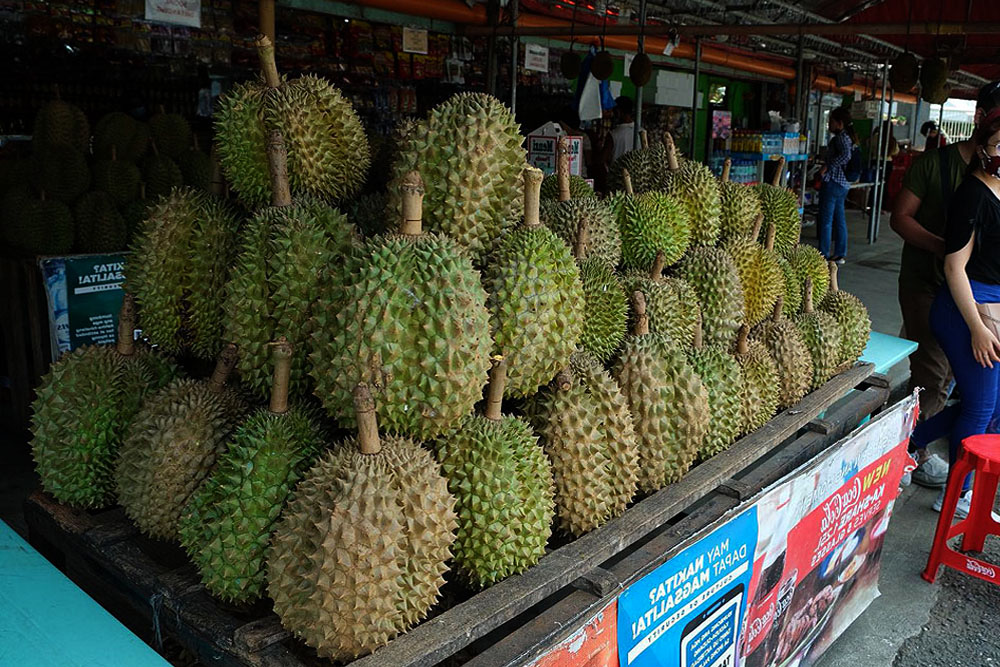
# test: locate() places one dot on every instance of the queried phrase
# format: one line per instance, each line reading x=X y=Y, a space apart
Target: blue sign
x=689 y=611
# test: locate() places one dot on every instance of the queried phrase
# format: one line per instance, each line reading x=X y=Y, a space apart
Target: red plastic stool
x=980 y=453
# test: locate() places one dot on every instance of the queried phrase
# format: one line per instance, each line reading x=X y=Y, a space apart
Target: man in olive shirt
x=919 y=216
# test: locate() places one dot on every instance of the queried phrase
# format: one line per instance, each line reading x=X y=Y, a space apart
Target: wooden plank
x=436 y=639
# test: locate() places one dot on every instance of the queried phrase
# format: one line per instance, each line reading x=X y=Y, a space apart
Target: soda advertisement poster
x=84 y=294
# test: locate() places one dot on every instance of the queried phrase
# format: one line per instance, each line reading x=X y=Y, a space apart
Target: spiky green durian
x=63 y=124
x=713 y=276
x=722 y=376
x=760 y=389
x=740 y=208
x=197 y=168
x=328 y=153
x=502 y=482
x=369 y=213
x=121 y=180
x=652 y=223
x=468 y=152
x=359 y=554
x=37 y=226
x=411 y=321
x=781 y=209
x=851 y=316
x=226 y=526
x=809 y=264
x=59 y=171
x=605 y=310
x=760 y=275
x=791 y=356
x=671 y=304
x=82 y=409
x=171 y=134
x=822 y=335
x=647 y=167
x=586 y=225
x=120 y=132
x=535 y=298
x=587 y=432
x=133 y=213
x=792 y=292
x=668 y=402
x=172 y=446
x=288 y=257
x=695 y=188
x=160 y=175
x=99 y=226
x=178 y=269
x=579 y=188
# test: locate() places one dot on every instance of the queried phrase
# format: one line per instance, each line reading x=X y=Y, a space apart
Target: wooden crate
x=151 y=588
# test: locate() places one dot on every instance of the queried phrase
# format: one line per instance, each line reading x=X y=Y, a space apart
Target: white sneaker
x=963 y=506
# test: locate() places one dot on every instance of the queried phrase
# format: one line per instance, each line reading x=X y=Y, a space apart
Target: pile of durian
x=504 y=361
x=87 y=190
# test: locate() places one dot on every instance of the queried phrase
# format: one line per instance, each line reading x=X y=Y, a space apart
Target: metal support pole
x=694 y=101
x=515 y=52
x=492 y=12
x=916 y=119
x=799 y=64
x=873 y=221
x=637 y=125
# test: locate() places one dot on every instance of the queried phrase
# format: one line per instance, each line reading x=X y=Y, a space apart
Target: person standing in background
x=935 y=137
x=833 y=192
x=623 y=135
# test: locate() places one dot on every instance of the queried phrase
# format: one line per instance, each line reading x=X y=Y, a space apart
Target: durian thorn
x=281 y=357
x=726 y=167
x=756 y=227
x=562 y=167
x=126 y=326
x=834 y=285
x=494 y=390
x=778 y=306
x=672 y=161
x=627 y=178
x=659 y=263
x=808 y=306
x=564 y=379
x=364 y=411
x=224 y=366
x=641 y=327
x=699 y=334
x=643 y=138
x=114 y=153
x=582 y=240
x=742 y=344
x=778 y=173
x=413 y=203
x=277 y=167
x=532 y=194
x=268 y=67
x=771 y=231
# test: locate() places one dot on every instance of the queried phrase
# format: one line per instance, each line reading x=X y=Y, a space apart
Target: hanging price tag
x=536 y=57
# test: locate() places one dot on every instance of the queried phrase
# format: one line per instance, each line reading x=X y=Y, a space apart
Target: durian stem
x=265 y=17
x=834 y=285
x=126 y=326
x=769 y=243
x=641 y=327
x=364 y=412
x=808 y=306
x=699 y=335
x=742 y=344
x=277 y=166
x=778 y=173
x=627 y=177
x=114 y=153
x=562 y=167
x=494 y=391
x=582 y=239
x=726 y=167
x=659 y=264
x=564 y=379
x=778 y=306
x=672 y=161
x=153 y=147
x=413 y=204
x=268 y=67
x=281 y=357
x=756 y=227
x=643 y=139
x=224 y=366
x=532 y=194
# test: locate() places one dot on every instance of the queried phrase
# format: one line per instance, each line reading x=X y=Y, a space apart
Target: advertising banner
x=84 y=295
x=178 y=12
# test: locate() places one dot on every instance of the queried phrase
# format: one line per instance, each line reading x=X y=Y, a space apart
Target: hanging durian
x=535 y=298
x=851 y=316
x=226 y=526
x=668 y=402
x=586 y=428
x=651 y=223
x=760 y=381
x=740 y=207
x=82 y=409
x=359 y=554
x=759 y=271
x=696 y=189
x=822 y=335
x=671 y=303
x=172 y=445
x=723 y=379
x=791 y=356
x=712 y=274
x=411 y=321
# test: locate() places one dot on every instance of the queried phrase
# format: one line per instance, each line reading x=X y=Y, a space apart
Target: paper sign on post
x=536 y=57
x=178 y=12
x=414 y=41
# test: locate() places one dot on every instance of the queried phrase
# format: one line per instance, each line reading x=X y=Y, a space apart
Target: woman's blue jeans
x=980 y=386
x=832 y=219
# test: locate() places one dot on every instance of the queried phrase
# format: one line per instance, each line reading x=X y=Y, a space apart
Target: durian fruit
x=369 y=213
x=171 y=134
x=411 y=321
x=127 y=136
x=502 y=481
x=652 y=223
x=605 y=310
x=760 y=274
x=468 y=151
x=60 y=171
x=671 y=303
x=740 y=207
x=359 y=554
x=822 y=335
x=197 y=168
x=668 y=402
x=82 y=409
x=781 y=209
x=579 y=188
x=602 y=66
x=640 y=69
x=809 y=264
x=712 y=274
x=647 y=167
x=569 y=65
x=134 y=212
x=328 y=152
x=35 y=225
x=722 y=376
x=760 y=392
x=904 y=72
x=586 y=429
x=696 y=189
x=99 y=226
x=535 y=298
x=172 y=446
x=791 y=293
x=160 y=174
x=791 y=356
x=63 y=124
x=851 y=316
x=121 y=180
x=934 y=80
x=226 y=526
x=178 y=268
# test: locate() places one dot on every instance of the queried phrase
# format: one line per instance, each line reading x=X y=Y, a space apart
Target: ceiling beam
x=759 y=30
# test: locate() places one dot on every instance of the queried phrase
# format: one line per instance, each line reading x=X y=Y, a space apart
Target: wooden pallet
x=152 y=589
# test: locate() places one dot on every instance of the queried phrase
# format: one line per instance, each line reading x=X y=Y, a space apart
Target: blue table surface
x=886 y=351
x=46 y=620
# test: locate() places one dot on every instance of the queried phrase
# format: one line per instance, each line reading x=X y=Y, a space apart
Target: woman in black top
x=972 y=271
